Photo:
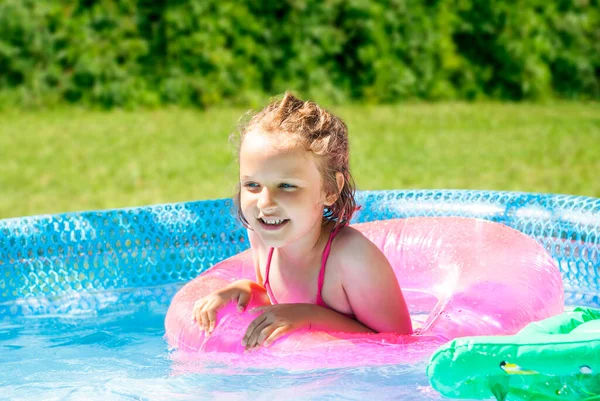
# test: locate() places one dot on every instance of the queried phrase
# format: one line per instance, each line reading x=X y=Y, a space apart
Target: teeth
x=272 y=222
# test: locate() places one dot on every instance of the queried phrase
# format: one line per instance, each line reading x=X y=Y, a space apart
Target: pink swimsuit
x=320 y=300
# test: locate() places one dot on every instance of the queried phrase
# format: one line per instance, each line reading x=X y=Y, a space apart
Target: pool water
x=122 y=355
x=83 y=297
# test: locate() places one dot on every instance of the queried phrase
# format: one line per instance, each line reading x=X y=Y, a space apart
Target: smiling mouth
x=272 y=224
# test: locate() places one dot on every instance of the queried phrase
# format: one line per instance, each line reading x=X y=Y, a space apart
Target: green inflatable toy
x=554 y=359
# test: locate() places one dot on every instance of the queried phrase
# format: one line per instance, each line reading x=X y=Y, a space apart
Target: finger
x=242 y=301
x=250 y=332
x=265 y=333
x=204 y=321
x=212 y=319
x=197 y=306
x=198 y=313
x=260 y=333
x=253 y=332
x=275 y=334
x=260 y=309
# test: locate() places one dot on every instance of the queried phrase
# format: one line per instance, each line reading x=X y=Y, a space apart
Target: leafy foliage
x=211 y=52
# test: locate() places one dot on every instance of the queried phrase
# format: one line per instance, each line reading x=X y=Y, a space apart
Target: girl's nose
x=265 y=200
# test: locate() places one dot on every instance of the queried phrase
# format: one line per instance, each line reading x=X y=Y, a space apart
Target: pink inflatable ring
x=460 y=277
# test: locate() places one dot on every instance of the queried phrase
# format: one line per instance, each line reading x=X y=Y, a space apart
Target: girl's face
x=281 y=194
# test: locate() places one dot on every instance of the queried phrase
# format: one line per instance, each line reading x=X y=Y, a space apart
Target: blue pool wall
x=91 y=261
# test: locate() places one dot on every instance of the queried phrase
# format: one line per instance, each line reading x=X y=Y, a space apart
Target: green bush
x=211 y=52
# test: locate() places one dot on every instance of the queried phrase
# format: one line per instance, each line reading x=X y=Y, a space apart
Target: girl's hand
x=205 y=309
x=276 y=321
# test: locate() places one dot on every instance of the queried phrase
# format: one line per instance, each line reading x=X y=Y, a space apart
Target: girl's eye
x=286 y=186
x=251 y=185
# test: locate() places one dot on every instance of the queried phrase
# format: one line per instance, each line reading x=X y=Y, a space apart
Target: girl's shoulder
x=353 y=250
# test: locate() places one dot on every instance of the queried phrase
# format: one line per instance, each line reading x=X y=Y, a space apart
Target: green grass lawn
x=73 y=159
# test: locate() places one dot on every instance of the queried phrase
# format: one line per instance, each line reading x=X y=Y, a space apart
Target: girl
x=296 y=197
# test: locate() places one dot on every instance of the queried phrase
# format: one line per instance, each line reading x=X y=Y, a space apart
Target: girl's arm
x=278 y=320
x=241 y=292
x=371 y=286
x=325 y=319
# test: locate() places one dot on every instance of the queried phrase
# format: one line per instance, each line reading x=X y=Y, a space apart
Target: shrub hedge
x=212 y=52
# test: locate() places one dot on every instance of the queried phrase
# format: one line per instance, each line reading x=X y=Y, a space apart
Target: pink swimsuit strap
x=326 y=252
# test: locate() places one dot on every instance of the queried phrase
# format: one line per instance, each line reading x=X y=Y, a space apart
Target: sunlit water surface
x=123 y=356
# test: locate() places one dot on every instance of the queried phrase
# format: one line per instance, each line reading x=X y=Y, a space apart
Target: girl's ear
x=331 y=198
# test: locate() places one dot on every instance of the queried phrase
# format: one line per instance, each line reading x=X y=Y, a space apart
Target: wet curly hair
x=317 y=130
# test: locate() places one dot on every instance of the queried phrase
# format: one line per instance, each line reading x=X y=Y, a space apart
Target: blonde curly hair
x=317 y=130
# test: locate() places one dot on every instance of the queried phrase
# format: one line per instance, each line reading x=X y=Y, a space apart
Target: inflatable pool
x=460 y=277
x=116 y=260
